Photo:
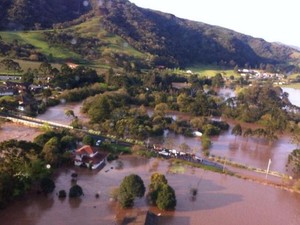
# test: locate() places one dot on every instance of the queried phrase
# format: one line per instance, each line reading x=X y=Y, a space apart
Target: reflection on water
x=220 y=199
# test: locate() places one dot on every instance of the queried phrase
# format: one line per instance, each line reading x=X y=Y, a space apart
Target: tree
x=160 y=193
x=45 y=68
x=217 y=80
x=75 y=191
x=248 y=132
x=88 y=140
x=184 y=147
x=101 y=110
x=69 y=113
x=166 y=198
x=237 y=130
x=156 y=182
x=51 y=151
x=47 y=185
x=294 y=161
x=28 y=77
x=131 y=187
x=296 y=135
x=11 y=65
x=205 y=142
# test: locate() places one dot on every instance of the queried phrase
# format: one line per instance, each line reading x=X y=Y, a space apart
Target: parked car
x=98 y=142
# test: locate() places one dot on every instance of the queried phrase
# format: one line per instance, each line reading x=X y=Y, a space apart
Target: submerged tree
x=75 y=191
x=294 y=161
x=237 y=130
x=131 y=187
x=160 y=193
x=166 y=198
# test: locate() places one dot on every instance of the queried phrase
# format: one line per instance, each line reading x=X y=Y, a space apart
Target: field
x=210 y=71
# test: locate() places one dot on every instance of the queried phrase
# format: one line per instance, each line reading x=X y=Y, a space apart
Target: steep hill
x=164 y=38
x=183 y=42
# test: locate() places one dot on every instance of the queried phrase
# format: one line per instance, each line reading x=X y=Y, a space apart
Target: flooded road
x=221 y=199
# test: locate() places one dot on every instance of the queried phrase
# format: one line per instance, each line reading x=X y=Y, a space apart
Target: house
x=72 y=65
x=141 y=218
x=86 y=156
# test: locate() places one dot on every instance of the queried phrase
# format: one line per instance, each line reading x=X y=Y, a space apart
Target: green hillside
x=73 y=43
x=37 y=39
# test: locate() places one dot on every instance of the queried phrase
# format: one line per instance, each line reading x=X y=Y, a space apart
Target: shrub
x=62 y=194
x=47 y=185
x=75 y=191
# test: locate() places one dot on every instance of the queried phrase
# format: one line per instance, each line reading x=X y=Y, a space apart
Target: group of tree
x=17 y=50
x=26 y=165
x=160 y=193
x=123 y=112
x=89 y=48
x=21 y=167
x=55 y=145
x=265 y=105
x=10 y=65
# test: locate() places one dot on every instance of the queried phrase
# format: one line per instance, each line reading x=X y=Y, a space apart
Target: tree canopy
x=131 y=187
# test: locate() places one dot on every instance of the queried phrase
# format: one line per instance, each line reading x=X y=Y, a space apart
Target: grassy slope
x=37 y=39
x=91 y=28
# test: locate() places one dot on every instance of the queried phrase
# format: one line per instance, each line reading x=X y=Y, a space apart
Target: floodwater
x=14 y=131
x=221 y=199
x=250 y=151
x=293 y=95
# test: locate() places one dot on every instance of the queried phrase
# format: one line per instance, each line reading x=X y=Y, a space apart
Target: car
x=98 y=142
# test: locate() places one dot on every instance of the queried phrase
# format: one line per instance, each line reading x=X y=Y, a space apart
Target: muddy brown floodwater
x=249 y=151
x=221 y=199
x=19 y=132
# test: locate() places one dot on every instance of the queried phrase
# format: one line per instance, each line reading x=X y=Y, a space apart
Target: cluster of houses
x=255 y=74
x=21 y=91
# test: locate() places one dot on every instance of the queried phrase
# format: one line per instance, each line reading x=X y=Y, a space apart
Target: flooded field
x=221 y=199
x=19 y=132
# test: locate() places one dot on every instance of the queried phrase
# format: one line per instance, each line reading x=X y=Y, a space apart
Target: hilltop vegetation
x=29 y=14
x=179 y=42
x=112 y=33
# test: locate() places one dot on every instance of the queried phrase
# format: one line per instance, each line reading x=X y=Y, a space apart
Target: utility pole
x=269 y=163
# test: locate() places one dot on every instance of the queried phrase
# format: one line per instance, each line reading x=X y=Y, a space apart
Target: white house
x=86 y=156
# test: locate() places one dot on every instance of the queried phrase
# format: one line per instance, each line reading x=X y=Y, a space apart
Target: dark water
x=221 y=199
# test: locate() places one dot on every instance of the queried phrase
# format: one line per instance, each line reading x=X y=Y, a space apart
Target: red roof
x=85 y=150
